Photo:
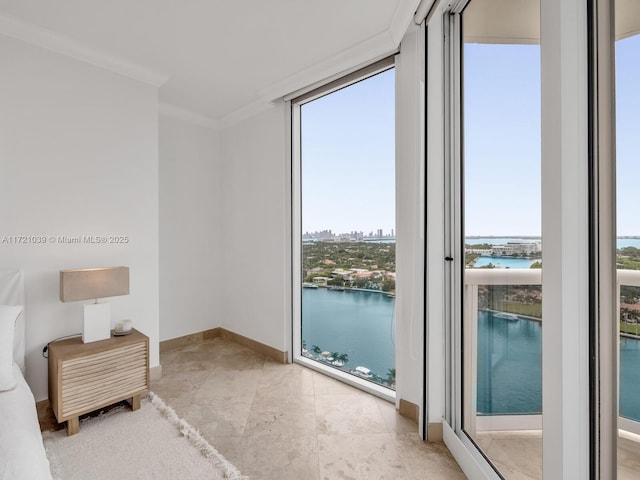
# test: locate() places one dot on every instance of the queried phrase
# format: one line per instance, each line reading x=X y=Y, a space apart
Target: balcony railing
x=475 y=279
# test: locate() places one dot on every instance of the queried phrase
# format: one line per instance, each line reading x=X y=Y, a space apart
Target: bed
x=22 y=455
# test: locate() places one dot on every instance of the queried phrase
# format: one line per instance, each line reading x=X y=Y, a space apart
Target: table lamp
x=92 y=284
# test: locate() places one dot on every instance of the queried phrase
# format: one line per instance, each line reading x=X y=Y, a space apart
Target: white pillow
x=8 y=316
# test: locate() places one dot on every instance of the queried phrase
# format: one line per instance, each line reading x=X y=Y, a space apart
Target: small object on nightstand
x=123 y=327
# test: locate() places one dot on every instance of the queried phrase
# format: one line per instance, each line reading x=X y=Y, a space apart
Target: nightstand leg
x=135 y=402
x=73 y=426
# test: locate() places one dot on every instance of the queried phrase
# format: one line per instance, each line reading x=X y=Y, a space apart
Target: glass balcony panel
x=509 y=350
x=629 y=359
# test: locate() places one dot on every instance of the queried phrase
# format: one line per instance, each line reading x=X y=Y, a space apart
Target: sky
x=348 y=158
x=348 y=147
x=628 y=135
x=501 y=139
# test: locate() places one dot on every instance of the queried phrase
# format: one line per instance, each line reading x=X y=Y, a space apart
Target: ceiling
x=214 y=58
x=518 y=21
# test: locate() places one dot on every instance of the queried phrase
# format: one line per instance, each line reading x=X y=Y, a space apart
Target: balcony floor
x=518 y=455
x=278 y=421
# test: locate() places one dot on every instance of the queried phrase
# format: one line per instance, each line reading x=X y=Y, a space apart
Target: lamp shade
x=93 y=283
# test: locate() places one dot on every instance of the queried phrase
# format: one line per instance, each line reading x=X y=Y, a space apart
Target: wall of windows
x=558 y=338
x=521 y=241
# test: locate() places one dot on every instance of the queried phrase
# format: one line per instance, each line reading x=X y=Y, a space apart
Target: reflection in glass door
x=627 y=74
x=348 y=250
x=502 y=282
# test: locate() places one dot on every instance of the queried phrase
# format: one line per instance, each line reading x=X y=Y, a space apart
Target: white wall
x=256 y=292
x=78 y=156
x=191 y=274
x=257 y=222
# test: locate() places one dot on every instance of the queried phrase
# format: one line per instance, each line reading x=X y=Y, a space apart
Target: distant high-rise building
x=379 y=232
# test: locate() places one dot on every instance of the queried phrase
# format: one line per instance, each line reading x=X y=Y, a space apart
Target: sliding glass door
x=541 y=143
x=627 y=75
x=500 y=224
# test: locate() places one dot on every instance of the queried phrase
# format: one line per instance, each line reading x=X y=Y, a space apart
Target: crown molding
x=351 y=59
x=47 y=39
x=371 y=50
x=402 y=18
x=188 y=116
x=358 y=54
x=248 y=111
x=375 y=48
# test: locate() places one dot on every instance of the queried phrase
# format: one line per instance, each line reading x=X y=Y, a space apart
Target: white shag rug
x=150 y=443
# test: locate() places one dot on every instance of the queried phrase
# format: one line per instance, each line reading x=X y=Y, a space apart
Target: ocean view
x=498 y=240
x=629 y=378
x=628 y=242
x=339 y=321
x=505 y=262
x=509 y=365
x=360 y=324
x=510 y=368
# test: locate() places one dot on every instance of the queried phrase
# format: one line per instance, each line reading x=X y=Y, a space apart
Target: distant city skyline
x=377 y=231
x=392 y=233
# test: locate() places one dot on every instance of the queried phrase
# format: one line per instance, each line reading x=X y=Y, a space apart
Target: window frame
x=295 y=104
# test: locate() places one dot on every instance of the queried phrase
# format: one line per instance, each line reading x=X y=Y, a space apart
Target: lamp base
x=97 y=322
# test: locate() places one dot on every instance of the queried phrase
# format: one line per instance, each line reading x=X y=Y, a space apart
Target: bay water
x=358 y=323
x=362 y=325
x=510 y=368
x=505 y=262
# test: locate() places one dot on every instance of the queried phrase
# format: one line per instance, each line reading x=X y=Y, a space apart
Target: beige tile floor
x=287 y=422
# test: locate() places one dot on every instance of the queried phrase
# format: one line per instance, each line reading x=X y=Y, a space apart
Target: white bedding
x=22 y=455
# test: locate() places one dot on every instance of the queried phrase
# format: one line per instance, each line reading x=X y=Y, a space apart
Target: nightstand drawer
x=102 y=378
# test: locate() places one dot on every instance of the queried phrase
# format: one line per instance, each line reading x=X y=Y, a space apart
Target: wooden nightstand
x=84 y=377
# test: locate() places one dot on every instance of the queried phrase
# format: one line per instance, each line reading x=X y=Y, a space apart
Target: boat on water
x=360 y=371
x=309 y=285
x=506 y=316
x=337 y=289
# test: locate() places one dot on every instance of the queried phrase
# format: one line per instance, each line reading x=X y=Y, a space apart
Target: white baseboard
x=155 y=373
